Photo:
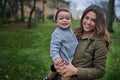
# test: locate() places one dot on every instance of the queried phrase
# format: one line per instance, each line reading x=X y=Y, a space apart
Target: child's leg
x=65 y=78
x=52 y=74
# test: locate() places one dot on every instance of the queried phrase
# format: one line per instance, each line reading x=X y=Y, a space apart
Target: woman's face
x=64 y=19
x=89 y=21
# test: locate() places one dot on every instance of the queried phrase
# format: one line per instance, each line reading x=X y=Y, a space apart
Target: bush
x=50 y=17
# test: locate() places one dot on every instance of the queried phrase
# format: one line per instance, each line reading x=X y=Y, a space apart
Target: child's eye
x=60 y=18
x=68 y=18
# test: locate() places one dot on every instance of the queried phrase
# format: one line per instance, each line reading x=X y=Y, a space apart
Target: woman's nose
x=88 y=21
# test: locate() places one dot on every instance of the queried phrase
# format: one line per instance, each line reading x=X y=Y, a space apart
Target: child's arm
x=55 y=46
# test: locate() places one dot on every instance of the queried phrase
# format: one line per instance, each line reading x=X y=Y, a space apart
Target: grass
x=113 y=61
x=24 y=53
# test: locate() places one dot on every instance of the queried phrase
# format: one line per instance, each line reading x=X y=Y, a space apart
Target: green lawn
x=24 y=53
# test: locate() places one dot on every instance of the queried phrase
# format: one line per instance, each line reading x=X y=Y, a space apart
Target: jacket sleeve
x=99 y=62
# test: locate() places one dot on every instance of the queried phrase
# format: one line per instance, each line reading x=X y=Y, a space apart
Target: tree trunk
x=43 y=2
x=30 y=17
x=14 y=10
x=2 y=12
x=110 y=15
x=22 y=10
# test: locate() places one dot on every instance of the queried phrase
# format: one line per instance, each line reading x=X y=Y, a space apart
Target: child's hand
x=58 y=61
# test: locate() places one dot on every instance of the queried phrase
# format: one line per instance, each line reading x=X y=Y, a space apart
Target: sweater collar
x=64 y=28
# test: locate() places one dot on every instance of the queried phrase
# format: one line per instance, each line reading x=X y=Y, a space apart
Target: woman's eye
x=94 y=20
x=86 y=17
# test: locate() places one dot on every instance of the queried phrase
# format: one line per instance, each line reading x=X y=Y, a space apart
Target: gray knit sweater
x=63 y=44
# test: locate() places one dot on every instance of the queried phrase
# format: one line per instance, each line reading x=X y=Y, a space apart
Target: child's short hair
x=59 y=10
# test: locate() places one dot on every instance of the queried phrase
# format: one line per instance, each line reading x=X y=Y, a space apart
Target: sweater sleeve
x=99 y=62
x=55 y=45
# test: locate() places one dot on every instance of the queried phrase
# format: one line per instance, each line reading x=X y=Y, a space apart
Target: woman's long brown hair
x=100 y=29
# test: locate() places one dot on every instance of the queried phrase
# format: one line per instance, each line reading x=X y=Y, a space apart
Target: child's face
x=64 y=19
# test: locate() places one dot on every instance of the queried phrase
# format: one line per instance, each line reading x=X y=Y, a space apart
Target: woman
x=91 y=53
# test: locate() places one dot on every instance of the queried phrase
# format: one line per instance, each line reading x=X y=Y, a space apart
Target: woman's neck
x=86 y=35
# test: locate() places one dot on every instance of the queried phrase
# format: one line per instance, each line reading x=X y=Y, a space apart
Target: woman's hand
x=66 y=69
x=69 y=70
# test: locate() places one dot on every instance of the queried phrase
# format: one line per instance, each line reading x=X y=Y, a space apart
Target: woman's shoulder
x=97 y=41
x=96 y=38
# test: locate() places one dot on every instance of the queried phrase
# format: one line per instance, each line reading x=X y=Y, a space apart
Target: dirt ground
x=12 y=26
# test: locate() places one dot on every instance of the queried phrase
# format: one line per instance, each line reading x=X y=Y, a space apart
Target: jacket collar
x=91 y=37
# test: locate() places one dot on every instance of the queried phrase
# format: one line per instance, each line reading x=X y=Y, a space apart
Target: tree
x=30 y=17
x=2 y=10
x=13 y=4
x=22 y=10
x=43 y=17
x=104 y=6
x=110 y=15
